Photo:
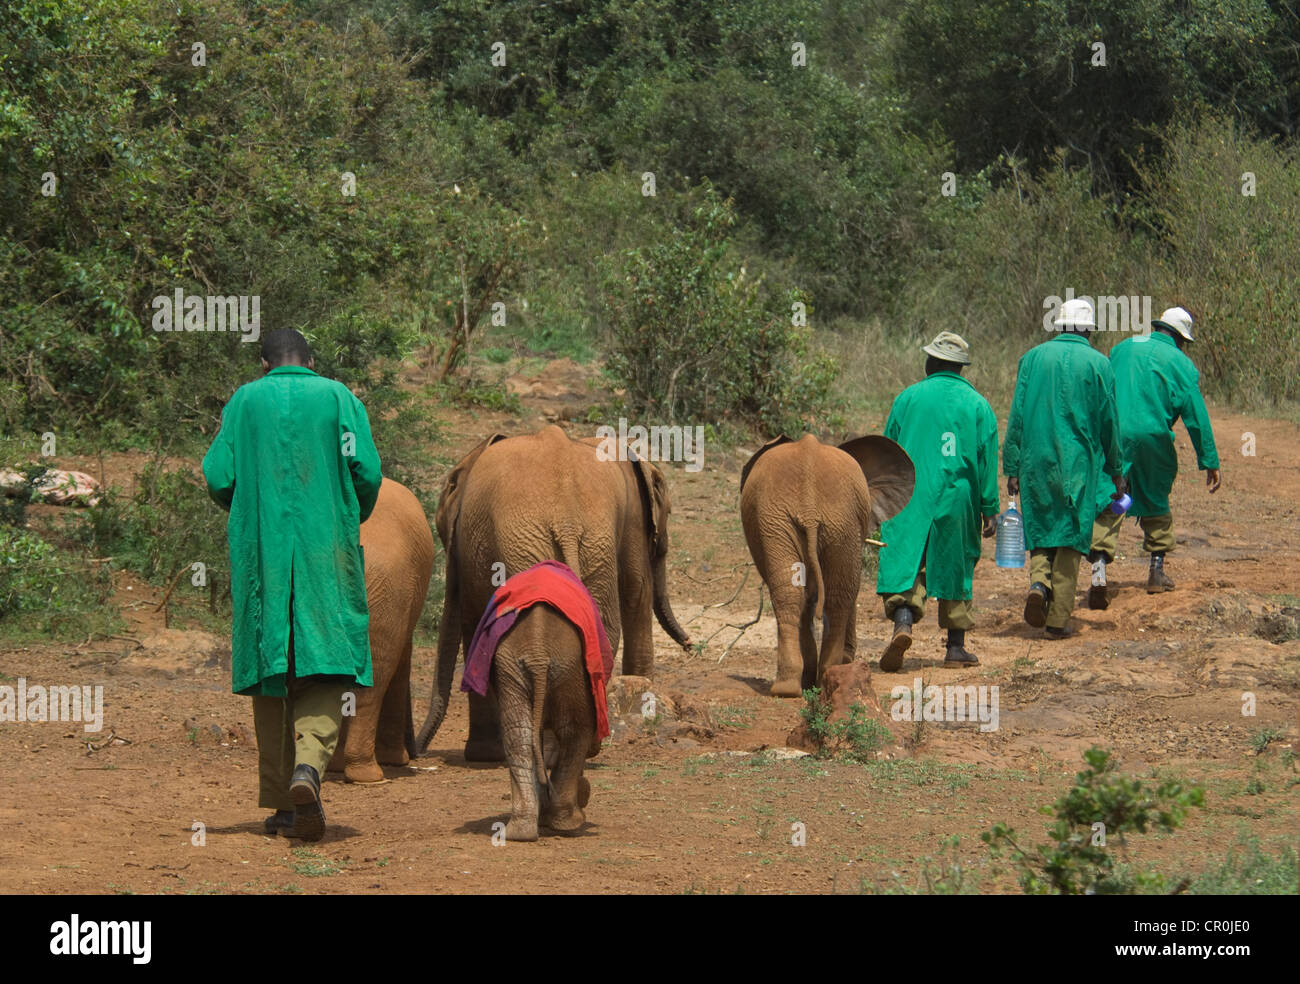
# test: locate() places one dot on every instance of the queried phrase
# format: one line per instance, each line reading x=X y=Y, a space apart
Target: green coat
x=1062 y=437
x=1155 y=385
x=297 y=498
x=951 y=434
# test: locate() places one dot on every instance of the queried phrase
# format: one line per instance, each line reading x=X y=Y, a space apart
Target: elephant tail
x=539 y=718
x=814 y=566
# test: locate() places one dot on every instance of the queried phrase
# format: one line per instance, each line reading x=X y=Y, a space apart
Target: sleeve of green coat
x=219 y=465
x=364 y=463
x=1197 y=421
x=1111 y=450
x=988 y=464
x=1015 y=422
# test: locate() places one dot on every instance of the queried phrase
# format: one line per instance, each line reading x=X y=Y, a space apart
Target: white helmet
x=1077 y=311
x=1176 y=319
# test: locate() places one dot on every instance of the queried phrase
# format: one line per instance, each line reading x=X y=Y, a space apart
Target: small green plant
x=312 y=865
x=942 y=875
x=1260 y=740
x=855 y=738
x=1100 y=807
x=1248 y=870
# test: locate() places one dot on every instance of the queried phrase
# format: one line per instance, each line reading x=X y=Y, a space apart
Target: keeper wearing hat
x=1156 y=385
x=951 y=434
x=1062 y=436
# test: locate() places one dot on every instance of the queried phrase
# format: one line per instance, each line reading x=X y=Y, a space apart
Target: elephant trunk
x=448 y=648
x=664 y=610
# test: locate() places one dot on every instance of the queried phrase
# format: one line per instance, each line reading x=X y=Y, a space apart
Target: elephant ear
x=776 y=441
x=654 y=500
x=449 y=503
x=888 y=470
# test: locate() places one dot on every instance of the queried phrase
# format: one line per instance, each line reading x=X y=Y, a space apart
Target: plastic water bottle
x=1121 y=505
x=1009 y=547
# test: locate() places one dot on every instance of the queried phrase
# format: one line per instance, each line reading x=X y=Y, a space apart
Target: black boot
x=278 y=822
x=308 y=814
x=1157 y=580
x=892 y=660
x=1036 y=604
x=957 y=654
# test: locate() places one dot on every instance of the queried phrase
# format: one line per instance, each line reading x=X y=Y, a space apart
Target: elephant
x=548 y=720
x=397 y=546
x=806 y=508
x=515 y=501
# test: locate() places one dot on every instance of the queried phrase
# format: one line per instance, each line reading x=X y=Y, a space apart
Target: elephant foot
x=364 y=772
x=392 y=756
x=478 y=750
x=787 y=688
x=521 y=829
x=565 y=821
x=584 y=792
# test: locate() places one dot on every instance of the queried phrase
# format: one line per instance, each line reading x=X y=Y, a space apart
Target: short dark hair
x=933 y=365
x=285 y=345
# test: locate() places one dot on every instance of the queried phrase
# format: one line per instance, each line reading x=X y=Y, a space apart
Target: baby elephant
x=806 y=508
x=542 y=647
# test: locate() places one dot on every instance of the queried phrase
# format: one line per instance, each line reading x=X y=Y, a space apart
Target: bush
x=1076 y=861
x=48 y=592
x=855 y=738
x=693 y=339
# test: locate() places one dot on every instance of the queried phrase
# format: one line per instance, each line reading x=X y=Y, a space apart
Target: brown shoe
x=1036 y=605
x=1098 y=597
x=892 y=659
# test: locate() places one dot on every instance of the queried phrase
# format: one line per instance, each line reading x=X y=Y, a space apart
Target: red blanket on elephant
x=548 y=583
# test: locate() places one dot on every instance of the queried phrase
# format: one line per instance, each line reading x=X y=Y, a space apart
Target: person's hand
x=1121 y=486
x=1013 y=485
x=1213 y=480
x=990 y=526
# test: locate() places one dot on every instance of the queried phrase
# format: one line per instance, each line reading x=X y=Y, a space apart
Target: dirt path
x=685 y=804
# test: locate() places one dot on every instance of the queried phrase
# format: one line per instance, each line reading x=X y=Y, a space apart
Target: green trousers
x=1157 y=533
x=1058 y=568
x=953 y=613
x=301 y=729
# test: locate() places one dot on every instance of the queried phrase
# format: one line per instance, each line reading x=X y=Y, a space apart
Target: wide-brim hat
x=1078 y=312
x=1176 y=319
x=950 y=347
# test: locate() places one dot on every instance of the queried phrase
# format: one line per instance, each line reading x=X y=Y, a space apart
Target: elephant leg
x=808 y=646
x=390 y=741
x=851 y=634
x=787 y=603
x=636 y=609
x=516 y=705
x=571 y=713
x=359 y=763
x=832 y=653
x=485 y=733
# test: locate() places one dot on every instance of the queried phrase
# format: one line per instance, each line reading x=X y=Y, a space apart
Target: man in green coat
x=1156 y=384
x=295 y=465
x=951 y=434
x=1062 y=435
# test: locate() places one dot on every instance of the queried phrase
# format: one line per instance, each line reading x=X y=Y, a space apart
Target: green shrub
x=855 y=738
x=1076 y=861
x=694 y=339
x=1248 y=870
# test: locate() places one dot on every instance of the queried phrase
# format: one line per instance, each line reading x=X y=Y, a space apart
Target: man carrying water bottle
x=1155 y=385
x=951 y=434
x=1062 y=435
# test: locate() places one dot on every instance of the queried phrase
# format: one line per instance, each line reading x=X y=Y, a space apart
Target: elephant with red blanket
x=541 y=646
